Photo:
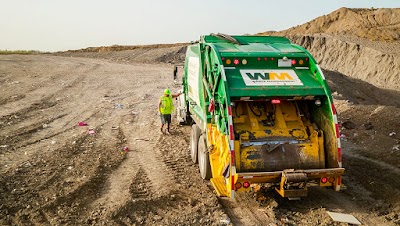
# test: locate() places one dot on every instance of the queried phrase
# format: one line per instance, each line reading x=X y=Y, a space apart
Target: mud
x=53 y=172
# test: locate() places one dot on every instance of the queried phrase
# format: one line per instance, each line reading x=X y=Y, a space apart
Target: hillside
x=371 y=24
x=360 y=43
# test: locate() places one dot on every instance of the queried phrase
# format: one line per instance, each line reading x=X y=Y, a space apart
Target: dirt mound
x=360 y=43
x=173 y=53
x=371 y=24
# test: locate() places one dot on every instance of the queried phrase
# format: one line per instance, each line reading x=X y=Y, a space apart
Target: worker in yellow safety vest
x=166 y=107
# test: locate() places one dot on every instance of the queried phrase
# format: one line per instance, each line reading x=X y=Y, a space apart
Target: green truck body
x=261 y=113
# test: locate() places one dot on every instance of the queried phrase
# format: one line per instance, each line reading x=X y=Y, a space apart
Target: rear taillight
x=236 y=61
x=331 y=180
x=324 y=180
x=246 y=184
x=238 y=185
x=276 y=101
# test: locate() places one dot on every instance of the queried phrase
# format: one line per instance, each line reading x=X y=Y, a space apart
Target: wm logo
x=283 y=76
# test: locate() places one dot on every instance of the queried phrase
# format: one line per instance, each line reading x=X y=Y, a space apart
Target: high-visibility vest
x=167 y=107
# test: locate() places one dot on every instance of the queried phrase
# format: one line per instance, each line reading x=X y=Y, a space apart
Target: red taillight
x=223 y=58
x=235 y=61
x=246 y=184
x=276 y=101
x=265 y=59
x=259 y=59
x=307 y=59
x=293 y=62
x=331 y=180
x=324 y=180
x=272 y=58
x=238 y=185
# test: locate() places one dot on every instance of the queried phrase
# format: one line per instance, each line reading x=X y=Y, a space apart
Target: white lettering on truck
x=193 y=78
x=270 y=78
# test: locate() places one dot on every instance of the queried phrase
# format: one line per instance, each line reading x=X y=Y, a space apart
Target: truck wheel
x=204 y=159
x=194 y=140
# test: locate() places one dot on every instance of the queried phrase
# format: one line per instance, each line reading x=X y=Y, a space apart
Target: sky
x=58 y=25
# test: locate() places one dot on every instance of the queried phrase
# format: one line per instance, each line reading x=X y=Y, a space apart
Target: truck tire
x=204 y=159
x=194 y=140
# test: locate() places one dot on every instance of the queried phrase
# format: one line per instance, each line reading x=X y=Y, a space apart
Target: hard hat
x=166 y=91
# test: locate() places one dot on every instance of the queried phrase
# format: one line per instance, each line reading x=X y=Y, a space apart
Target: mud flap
x=293 y=184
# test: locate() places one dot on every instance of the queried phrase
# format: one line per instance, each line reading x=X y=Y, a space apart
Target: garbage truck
x=261 y=113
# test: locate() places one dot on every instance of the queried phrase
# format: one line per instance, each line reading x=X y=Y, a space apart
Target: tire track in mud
x=23 y=134
x=63 y=186
x=140 y=176
x=140 y=188
x=47 y=101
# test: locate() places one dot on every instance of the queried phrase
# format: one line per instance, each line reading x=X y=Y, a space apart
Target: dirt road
x=54 y=172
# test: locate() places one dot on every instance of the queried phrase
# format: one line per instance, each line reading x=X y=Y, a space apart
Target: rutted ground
x=53 y=172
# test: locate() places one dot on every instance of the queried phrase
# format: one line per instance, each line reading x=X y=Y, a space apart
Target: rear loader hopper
x=261 y=113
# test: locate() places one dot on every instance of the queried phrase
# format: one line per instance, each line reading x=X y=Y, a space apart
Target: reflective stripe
x=223 y=73
x=320 y=72
x=335 y=119
x=337 y=135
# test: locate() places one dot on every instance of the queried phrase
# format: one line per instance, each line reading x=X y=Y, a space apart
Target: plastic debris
x=91 y=132
x=392 y=134
x=144 y=139
x=345 y=218
x=225 y=221
x=396 y=147
x=82 y=124
x=125 y=149
x=3 y=146
x=119 y=106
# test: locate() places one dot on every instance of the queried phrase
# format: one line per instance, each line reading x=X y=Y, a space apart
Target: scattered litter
x=45 y=126
x=3 y=146
x=125 y=149
x=343 y=137
x=134 y=113
x=345 y=218
x=26 y=164
x=225 y=221
x=53 y=142
x=396 y=147
x=392 y=134
x=70 y=167
x=82 y=124
x=145 y=139
x=91 y=132
x=119 y=106
x=114 y=127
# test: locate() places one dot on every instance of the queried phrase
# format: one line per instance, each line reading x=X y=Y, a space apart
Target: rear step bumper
x=271 y=177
